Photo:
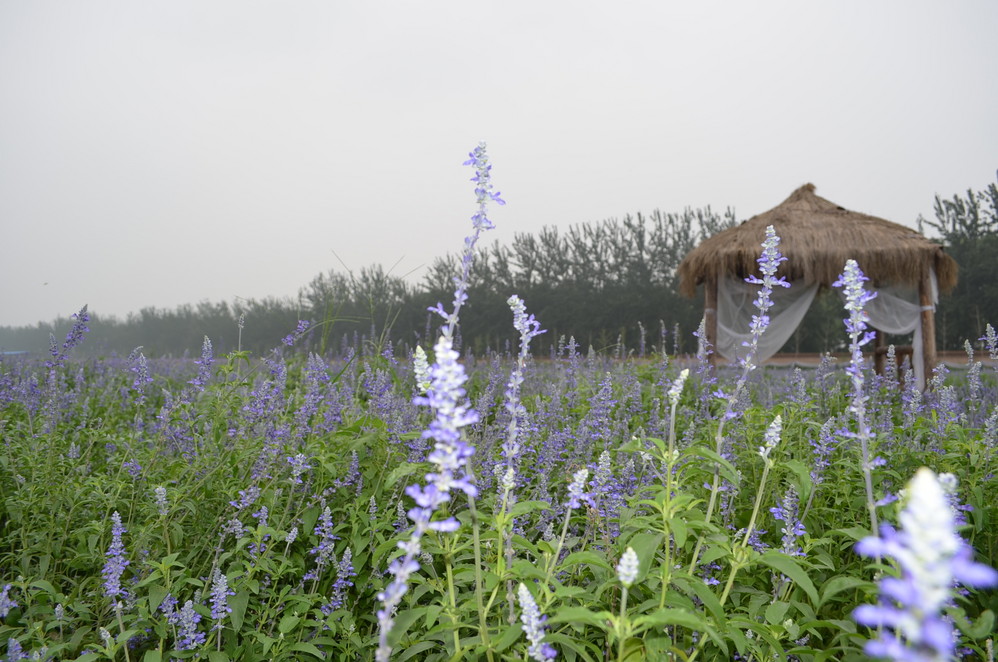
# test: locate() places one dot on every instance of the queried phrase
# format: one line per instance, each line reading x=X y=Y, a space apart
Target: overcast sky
x=160 y=153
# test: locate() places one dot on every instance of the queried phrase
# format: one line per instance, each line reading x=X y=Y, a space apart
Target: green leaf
x=152 y=656
x=587 y=557
x=838 y=584
x=238 y=603
x=983 y=626
x=508 y=637
x=416 y=649
x=789 y=567
x=218 y=656
x=776 y=612
x=524 y=507
x=646 y=546
x=288 y=623
x=574 y=615
x=157 y=594
x=310 y=648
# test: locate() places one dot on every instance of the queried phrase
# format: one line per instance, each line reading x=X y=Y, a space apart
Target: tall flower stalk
x=769 y=262
x=857 y=296
x=451 y=454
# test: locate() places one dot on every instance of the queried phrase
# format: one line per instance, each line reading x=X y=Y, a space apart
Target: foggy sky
x=159 y=153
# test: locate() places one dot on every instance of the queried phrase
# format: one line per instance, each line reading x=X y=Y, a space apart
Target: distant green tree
x=968 y=228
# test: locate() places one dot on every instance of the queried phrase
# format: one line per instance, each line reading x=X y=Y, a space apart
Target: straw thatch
x=817 y=237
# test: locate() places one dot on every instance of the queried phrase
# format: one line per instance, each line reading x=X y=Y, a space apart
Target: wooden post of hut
x=928 y=322
x=710 y=315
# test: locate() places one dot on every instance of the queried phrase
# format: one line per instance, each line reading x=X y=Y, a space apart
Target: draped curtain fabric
x=895 y=310
x=735 y=309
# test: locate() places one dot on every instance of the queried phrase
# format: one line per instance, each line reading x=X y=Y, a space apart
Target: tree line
x=611 y=285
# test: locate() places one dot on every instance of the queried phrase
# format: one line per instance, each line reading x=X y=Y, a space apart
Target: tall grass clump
x=414 y=503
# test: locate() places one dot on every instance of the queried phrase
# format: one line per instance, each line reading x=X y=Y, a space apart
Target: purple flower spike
x=116 y=563
x=533 y=627
x=932 y=559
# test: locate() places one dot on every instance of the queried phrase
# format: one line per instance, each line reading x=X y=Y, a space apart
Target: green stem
x=483 y=627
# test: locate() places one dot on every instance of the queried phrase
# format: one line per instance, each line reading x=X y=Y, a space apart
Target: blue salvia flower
x=990 y=339
x=220 y=593
x=6 y=603
x=932 y=559
x=116 y=562
x=344 y=571
x=479 y=160
x=139 y=366
x=533 y=627
x=324 y=550
x=421 y=370
x=857 y=296
x=446 y=396
x=204 y=366
x=529 y=328
x=300 y=330
x=823 y=448
x=576 y=493
x=299 y=465
x=788 y=512
x=769 y=263
x=186 y=621
x=159 y=495
x=14 y=651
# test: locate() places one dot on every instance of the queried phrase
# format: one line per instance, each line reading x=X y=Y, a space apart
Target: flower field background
x=400 y=503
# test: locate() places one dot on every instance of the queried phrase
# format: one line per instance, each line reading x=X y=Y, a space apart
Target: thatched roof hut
x=817 y=237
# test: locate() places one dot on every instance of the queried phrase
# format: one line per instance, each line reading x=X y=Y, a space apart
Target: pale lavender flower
x=421 y=370
x=139 y=366
x=857 y=296
x=932 y=559
x=220 y=593
x=446 y=396
x=204 y=366
x=14 y=651
x=324 y=550
x=990 y=339
x=771 y=438
x=162 y=507
x=627 y=568
x=344 y=570
x=299 y=465
x=300 y=330
x=788 y=512
x=529 y=328
x=533 y=627
x=576 y=493
x=247 y=498
x=6 y=603
x=186 y=620
x=769 y=263
x=676 y=389
x=116 y=562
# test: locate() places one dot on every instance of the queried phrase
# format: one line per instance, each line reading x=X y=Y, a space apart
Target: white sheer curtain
x=735 y=309
x=895 y=310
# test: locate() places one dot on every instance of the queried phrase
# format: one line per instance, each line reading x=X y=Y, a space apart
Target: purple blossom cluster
x=932 y=559
x=116 y=562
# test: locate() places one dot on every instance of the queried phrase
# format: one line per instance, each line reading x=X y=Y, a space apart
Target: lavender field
x=539 y=502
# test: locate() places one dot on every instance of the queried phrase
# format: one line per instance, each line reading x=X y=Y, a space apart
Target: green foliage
x=705 y=588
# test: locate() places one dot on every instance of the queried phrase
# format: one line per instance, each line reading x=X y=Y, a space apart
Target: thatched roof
x=817 y=237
